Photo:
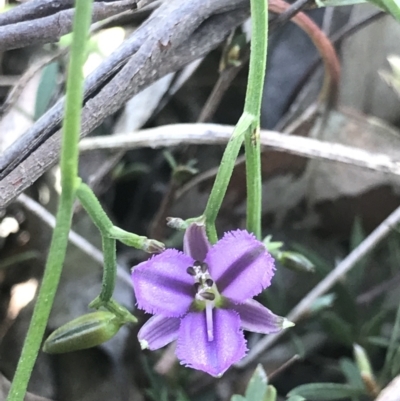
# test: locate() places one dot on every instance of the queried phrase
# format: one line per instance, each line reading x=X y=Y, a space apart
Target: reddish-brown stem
x=330 y=88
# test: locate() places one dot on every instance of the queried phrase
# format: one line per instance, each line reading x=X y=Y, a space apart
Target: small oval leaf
x=257 y=386
x=326 y=391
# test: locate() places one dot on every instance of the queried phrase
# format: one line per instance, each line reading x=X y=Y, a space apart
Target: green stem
x=110 y=268
x=107 y=229
x=69 y=169
x=258 y=57
x=92 y=206
x=224 y=174
x=253 y=181
x=247 y=129
x=110 y=234
x=258 y=61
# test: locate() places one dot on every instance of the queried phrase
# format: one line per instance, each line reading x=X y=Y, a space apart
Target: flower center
x=206 y=293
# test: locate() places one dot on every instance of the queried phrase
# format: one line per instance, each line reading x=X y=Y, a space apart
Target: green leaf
x=257 y=386
x=390 y=6
x=237 y=397
x=335 y=3
x=322 y=266
x=325 y=391
x=270 y=395
x=181 y=396
x=337 y=328
x=295 y=261
x=351 y=372
x=323 y=302
x=373 y=325
x=395 y=368
x=296 y=398
x=47 y=85
x=379 y=341
x=393 y=346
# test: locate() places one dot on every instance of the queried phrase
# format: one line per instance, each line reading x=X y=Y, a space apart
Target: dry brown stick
x=51 y=28
x=378 y=290
x=15 y=92
x=303 y=307
x=175 y=134
x=223 y=83
x=169 y=46
x=34 y=9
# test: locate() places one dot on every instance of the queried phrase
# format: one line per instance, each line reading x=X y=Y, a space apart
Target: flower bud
x=296 y=261
x=364 y=366
x=153 y=246
x=84 y=332
x=177 y=223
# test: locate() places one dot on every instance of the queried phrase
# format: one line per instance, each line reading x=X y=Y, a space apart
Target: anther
x=209 y=282
x=209 y=296
x=197 y=263
x=203 y=267
x=190 y=270
x=197 y=286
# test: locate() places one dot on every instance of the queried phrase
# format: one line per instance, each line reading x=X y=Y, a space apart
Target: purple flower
x=203 y=298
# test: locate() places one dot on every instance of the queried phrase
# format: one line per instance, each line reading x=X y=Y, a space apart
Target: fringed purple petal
x=216 y=356
x=195 y=242
x=158 y=331
x=162 y=285
x=257 y=318
x=240 y=265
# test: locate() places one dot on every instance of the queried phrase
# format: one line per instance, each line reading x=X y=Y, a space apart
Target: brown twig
x=51 y=28
x=283 y=367
x=222 y=85
x=207 y=134
x=290 y=12
x=379 y=289
x=336 y=39
x=180 y=33
x=326 y=50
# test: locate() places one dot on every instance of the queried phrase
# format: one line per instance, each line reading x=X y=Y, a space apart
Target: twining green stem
x=69 y=170
x=92 y=205
x=246 y=129
x=110 y=268
x=109 y=235
x=258 y=60
x=107 y=229
x=224 y=174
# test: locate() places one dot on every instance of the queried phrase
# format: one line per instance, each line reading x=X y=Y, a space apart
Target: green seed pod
x=84 y=332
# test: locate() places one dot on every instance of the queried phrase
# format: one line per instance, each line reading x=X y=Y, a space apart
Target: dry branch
x=176 y=34
x=209 y=134
x=51 y=28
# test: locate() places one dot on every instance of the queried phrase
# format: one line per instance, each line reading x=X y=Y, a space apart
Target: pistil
x=209 y=320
